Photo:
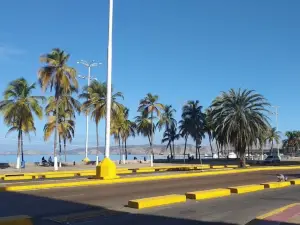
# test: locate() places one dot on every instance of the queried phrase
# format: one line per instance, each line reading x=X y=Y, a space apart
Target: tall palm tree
x=18 y=108
x=151 y=106
x=238 y=116
x=128 y=129
x=192 y=111
x=57 y=75
x=95 y=103
x=273 y=135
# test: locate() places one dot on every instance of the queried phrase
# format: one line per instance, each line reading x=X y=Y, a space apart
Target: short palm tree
x=18 y=109
x=192 y=111
x=167 y=119
x=143 y=126
x=57 y=75
x=95 y=103
x=273 y=135
x=292 y=143
x=169 y=136
x=128 y=129
x=184 y=130
x=238 y=116
x=150 y=106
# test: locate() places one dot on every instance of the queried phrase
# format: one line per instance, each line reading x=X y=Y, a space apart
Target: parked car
x=272 y=159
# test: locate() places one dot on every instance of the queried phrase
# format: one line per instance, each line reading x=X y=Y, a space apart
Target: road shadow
x=51 y=211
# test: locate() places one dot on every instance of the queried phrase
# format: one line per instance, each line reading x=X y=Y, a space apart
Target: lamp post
x=107 y=168
x=89 y=65
x=276 y=115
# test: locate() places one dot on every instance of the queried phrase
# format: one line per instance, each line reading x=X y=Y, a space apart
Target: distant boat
x=161 y=153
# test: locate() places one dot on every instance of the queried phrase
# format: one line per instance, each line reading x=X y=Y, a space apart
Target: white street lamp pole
x=276 y=115
x=109 y=72
x=88 y=65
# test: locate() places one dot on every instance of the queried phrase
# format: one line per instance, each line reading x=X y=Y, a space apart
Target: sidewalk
x=289 y=214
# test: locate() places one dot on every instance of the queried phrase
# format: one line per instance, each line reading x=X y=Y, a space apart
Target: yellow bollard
x=106 y=170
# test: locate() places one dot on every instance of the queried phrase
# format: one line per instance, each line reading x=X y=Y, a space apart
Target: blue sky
x=180 y=50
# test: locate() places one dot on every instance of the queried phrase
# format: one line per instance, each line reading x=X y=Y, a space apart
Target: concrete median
x=208 y=194
x=156 y=201
x=246 y=188
x=12 y=178
x=276 y=184
x=295 y=182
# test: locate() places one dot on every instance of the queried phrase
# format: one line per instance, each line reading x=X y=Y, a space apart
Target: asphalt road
x=107 y=200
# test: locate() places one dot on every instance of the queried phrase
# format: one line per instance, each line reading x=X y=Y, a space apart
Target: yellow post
x=106 y=170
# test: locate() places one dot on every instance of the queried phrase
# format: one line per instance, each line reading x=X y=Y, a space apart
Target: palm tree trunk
x=120 y=150
x=55 y=134
x=151 y=144
x=271 y=150
x=65 y=149
x=184 y=149
x=211 y=148
x=97 y=138
x=22 y=150
x=19 y=150
x=248 y=152
x=125 y=145
x=173 y=149
x=218 y=149
x=59 y=142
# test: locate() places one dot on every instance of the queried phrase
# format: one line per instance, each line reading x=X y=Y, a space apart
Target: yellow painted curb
x=246 y=188
x=18 y=178
x=295 y=182
x=133 y=179
x=207 y=194
x=16 y=220
x=217 y=166
x=276 y=184
x=58 y=176
x=156 y=201
x=232 y=166
x=144 y=170
x=258 y=219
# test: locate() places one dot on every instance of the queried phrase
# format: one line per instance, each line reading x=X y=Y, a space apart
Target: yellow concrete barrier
x=295 y=182
x=207 y=194
x=276 y=184
x=144 y=170
x=232 y=166
x=124 y=172
x=246 y=188
x=86 y=174
x=16 y=220
x=48 y=176
x=156 y=201
x=18 y=178
x=217 y=166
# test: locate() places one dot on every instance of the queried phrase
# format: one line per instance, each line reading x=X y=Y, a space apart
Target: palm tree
x=273 y=135
x=128 y=129
x=184 y=130
x=170 y=135
x=19 y=108
x=192 y=111
x=208 y=128
x=292 y=143
x=57 y=75
x=150 y=106
x=167 y=119
x=143 y=126
x=238 y=116
x=66 y=129
x=95 y=103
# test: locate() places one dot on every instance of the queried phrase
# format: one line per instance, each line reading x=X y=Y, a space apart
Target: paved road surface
x=235 y=209
x=113 y=197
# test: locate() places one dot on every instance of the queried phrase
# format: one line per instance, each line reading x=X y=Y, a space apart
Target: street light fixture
x=89 y=65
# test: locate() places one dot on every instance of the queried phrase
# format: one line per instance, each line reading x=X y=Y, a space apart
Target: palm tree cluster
x=292 y=143
x=236 y=118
